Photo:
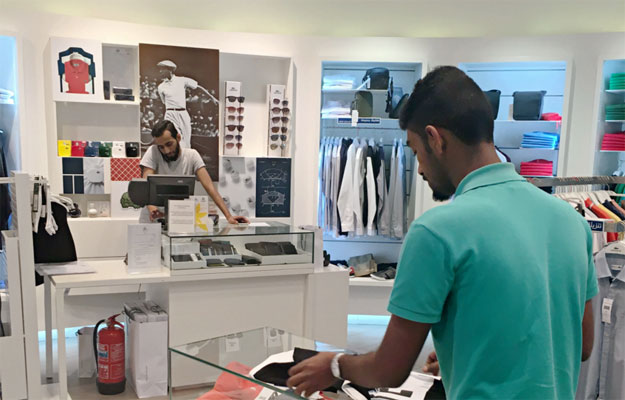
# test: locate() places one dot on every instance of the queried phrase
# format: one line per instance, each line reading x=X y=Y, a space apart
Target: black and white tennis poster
x=273 y=187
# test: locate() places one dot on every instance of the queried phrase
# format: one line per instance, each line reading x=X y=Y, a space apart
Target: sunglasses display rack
x=279 y=121
x=233 y=119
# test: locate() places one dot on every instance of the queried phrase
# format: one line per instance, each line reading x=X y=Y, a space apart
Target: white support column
x=48 y=310
x=22 y=213
x=60 y=342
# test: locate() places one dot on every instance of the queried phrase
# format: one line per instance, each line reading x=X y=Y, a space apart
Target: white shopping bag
x=86 y=358
x=146 y=357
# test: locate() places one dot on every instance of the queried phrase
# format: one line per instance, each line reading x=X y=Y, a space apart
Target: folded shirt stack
x=613 y=142
x=6 y=96
x=617 y=81
x=338 y=82
x=540 y=140
x=615 y=112
x=537 y=168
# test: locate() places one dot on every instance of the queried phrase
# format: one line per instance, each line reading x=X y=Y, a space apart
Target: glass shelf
x=258 y=229
x=215 y=358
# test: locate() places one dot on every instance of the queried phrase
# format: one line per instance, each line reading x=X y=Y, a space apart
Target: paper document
x=256 y=224
x=76 y=267
x=144 y=248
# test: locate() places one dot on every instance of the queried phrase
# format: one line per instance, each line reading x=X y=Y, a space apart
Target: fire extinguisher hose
x=95 y=341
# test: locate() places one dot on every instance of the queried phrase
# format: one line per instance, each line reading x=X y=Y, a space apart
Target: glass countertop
x=253 y=229
x=249 y=348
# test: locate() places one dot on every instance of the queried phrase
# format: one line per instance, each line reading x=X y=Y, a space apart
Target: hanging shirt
x=173 y=91
x=336 y=170
x=399 y=196
x=346 y=193
x=320 y=204
x=385 y=223
x=503 y=274
x=344 y=147
x=358 y=187
x=603 y=374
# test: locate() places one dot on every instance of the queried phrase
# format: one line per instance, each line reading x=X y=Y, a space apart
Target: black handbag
x=57 y=248
x=527 y=106
x=493 y=98
x=400 y=105
x=379 y=78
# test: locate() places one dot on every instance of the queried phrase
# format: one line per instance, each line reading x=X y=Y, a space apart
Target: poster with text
x=76 y=70
x=181 y=85
x=237 y=185
x=273 y=187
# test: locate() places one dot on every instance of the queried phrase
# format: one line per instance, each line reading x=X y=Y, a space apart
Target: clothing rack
x=595 y=225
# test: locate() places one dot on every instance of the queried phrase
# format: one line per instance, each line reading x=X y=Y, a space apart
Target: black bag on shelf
x=363 y=102
x=493 y=98
x=379 y=76
x=527 y=106
x=400 y=105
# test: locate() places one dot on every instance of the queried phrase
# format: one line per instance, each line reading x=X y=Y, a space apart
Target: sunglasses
x=233 y=127
x=277 y=101
x=276 y=137
x=231 y=145
x=232 y=99
x=275 y=120
x=232 y=137
x=234 y=118
x=232 y=109
x=285 y=110
x=274 y=146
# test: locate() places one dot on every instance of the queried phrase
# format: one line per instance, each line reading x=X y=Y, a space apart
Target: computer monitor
x=169 y=187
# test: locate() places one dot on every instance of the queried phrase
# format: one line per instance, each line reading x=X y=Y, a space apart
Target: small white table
x=295 y=287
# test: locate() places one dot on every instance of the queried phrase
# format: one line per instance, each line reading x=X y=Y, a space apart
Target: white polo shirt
x=173 y=91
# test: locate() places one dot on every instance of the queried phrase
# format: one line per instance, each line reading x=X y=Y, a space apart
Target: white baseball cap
x=167 y=64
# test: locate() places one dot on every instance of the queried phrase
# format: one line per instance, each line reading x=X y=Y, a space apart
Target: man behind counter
x=502 y=275
x=167 y=157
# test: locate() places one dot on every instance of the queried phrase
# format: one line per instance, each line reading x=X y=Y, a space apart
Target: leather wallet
x=256 y=248
x=78 y=148
x=181 y=257
x=250 y=260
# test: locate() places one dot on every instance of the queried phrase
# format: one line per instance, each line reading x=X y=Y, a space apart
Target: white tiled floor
x=360 y=338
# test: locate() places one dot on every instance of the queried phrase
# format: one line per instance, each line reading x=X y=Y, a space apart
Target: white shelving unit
x=379 y=127
x=508 y=77
x=607 y=161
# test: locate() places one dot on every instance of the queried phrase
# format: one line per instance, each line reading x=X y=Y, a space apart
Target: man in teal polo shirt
x=503 y=275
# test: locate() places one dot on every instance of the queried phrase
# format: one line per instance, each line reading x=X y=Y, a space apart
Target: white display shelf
x=112 y=102
x=366 y=281
x=615 y=121
x=615 y=91
x=352 y=91
x=379 y=123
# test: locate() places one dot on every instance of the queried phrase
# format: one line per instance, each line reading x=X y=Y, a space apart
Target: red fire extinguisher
x=108 y=346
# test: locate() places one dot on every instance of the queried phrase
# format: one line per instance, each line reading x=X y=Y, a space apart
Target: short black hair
x=163 y=126
x=447 y=98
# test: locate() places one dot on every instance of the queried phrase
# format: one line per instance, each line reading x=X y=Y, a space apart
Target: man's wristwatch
x=334 y=366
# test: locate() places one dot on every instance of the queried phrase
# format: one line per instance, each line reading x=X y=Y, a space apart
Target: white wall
x=583 y=51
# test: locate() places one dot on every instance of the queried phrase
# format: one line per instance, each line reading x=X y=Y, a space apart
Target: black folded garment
x=287 y=247
x=278 y=373
x=211 y=262
x=233 y=261
x=181 y=257
x=250 y=260
x=272 y=249
x=256 y=248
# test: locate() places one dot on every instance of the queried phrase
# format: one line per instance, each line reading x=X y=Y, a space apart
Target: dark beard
x=438 y=196
x=174 y=157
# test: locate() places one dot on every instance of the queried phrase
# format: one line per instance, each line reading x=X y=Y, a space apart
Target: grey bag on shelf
x=363 y=102
x=527 y=106
x=493 y=98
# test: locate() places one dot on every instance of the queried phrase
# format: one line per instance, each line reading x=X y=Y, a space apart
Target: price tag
x=232 y=344
x=606 y=311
